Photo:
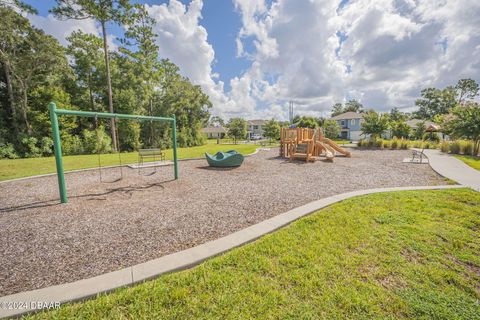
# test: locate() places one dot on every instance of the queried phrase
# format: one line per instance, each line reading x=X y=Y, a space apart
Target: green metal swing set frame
x=54 y=113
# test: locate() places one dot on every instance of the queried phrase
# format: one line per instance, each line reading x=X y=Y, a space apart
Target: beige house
x=215 y=132
x=255 y=127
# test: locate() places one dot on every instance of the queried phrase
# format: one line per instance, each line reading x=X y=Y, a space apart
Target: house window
x=343 y=122
x=255 y=127
x=353 y=122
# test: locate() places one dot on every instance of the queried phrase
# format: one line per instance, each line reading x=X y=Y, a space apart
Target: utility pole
x=290 y=111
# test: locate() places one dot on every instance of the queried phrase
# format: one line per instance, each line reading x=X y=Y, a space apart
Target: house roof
x=348 y=115
x=219 y=129
x=413 y=123
x=257 y=122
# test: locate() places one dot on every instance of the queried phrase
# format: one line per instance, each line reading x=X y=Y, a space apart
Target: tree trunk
x=24 y=110
x=109 y=85
x=11 y=99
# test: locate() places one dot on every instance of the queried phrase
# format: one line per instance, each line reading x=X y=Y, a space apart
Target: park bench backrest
x=149 y=152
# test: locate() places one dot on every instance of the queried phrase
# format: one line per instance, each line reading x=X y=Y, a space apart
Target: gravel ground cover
x=109 y=226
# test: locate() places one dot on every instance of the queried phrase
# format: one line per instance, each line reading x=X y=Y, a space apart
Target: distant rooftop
x=257 y=122
x=348 y=115
x=219 y=129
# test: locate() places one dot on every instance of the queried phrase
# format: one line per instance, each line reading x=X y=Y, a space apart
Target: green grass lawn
x=472 y=161
x=17 y=168
x=412 y=254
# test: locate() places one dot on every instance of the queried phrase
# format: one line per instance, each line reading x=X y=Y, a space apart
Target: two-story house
x=351 y=124
x=255 y=127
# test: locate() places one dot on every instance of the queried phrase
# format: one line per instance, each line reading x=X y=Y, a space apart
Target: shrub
x=360 y=143
x=72 y=144
x=97 y=141
x=394 y=144
x=466 y=147
x=378 y=143
x=444 y=146
x=29 y=145
x=386 y=144
x=417 y=144
x=403 y=144
x=46 y=146
x=431 y=136
x=7 y=151
x=454 y=147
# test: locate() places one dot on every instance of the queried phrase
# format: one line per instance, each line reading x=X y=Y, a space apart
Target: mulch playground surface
x=109 y=226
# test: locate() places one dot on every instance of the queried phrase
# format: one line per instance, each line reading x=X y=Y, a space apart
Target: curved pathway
x=453 y=168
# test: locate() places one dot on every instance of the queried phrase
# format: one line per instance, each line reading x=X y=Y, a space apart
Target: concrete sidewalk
x=454 y=169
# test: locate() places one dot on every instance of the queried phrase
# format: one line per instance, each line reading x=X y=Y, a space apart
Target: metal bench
x=418 y=154
x=150 y=153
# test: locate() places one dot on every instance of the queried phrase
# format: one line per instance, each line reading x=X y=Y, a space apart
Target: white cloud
x=61 y=29
x=391 y=49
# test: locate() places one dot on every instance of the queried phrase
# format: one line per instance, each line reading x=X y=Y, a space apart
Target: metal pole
x=58 y=152
x=174 y=140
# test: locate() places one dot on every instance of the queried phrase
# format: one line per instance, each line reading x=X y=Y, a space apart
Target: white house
x=351 y=124
x=215 y=132
x=255 y=127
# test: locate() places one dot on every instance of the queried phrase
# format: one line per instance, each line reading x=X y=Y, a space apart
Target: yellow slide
x=336 y=147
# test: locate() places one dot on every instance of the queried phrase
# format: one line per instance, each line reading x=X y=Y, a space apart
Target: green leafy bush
x=7 y=151
x=96 y=141
x=30 y=148
x=72 y=144
x=46 y=146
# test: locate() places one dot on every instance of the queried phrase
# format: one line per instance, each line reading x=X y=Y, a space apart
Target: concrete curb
x=105 y=167
x=90 y=287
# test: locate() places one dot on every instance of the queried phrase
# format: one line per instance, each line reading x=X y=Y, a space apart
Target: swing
x=98 y=153
x=155 y=153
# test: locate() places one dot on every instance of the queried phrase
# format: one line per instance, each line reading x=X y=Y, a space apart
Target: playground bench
x=419 y=154
x=150 y=153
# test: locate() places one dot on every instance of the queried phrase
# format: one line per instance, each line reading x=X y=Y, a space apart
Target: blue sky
x=254 y=56
x=219 y=18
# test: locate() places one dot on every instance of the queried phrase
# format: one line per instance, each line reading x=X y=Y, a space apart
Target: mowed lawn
x=412 y=254
x=472 y=161
x=17 y=168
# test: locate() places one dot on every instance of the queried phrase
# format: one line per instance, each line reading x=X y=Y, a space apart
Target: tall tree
x=18 y=5
x=353 y=106
x=86 y=53
x=331 y=129
x=216 y=121
x=237 y=128
x=435 y=102
x=464 y=122
x=337 y=109
x=397 y=115
x=29 y=58
x=374 y=124
x=466 y=89
x=103 y=11
x=307 y=122
x=272 y=130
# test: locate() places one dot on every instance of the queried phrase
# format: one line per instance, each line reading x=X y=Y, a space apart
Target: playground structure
x=308 y=144
x=54 y=113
